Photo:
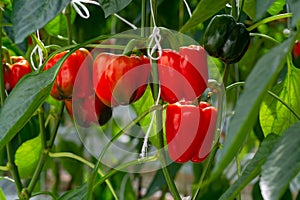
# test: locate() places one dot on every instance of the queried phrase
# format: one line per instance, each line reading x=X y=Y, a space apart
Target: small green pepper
x=226 y=39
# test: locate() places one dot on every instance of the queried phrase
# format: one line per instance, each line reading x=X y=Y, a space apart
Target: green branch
x=89 y=164
x=269 y=19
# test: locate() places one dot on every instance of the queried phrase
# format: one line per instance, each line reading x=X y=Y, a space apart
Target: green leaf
x=276 y=7
x=75 y=194
x=253 y=169
x=294 y=6
x=204 y=10
x=27 y=157
x=159 y=181
x=113 y=6
x=58 y=25
x=276 y=117
x=30 y=92
x=282 y=165
x=141 y=106
x=29 y=16
x=262 y=7
x=2 y=195
x=249 y=8
x=258 y=82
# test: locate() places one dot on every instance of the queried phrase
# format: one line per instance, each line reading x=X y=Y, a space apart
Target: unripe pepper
x=120 y=79
x=15 y=71
x=226 y=39
x=183 y=75
x=190 y=131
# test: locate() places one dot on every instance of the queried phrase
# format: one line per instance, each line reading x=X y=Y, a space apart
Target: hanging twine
x=153 y=47
x=39 y=52
x=83 y=11
x=188 y=8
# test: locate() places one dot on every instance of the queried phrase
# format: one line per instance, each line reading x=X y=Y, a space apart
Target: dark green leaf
x=294 y=6
x=75 y=194
x=262 y=7
x=159 y=181
x=29 y=16
x=113 y=6
x=204 y=10
x=27 y=157
x=276 y=117
x=259 y=81
x=30 y=92
x=256 y=193
x=253 y=169
x=282 y=165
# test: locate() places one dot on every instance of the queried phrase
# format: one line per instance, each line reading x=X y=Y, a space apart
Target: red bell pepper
x=183 y=75
x=120 y=79
x=64 y=82
x=15 y=71
x=190 y=131
x=88 y=111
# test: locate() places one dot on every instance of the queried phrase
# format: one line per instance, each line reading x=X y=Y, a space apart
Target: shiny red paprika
x=296 y=54
x=183 y=75
x=15 y=71
x=120 y=79
x=88 y=111
x=190 y=131
x=64 y=82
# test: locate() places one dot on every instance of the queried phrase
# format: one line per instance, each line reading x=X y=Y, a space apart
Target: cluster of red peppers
x=88 y=108
x=94 y=86
x=190 y=128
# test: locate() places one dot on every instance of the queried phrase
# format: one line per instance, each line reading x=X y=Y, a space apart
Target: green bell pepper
x=226 y=39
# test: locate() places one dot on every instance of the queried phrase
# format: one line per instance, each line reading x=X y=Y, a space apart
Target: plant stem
x=89 y=164
x=55 y=126
x=2 y=87
x=160 y=135
x=13 y=168
x=238 y=166
x=234 y=9
x=123 y=166
x=234 y=85
x=206 y=167
x=44 y=152
x=226 y=74
x=265 y=36
x=4 y=168
x=135 y=121
x=69 y=23
x=143 y=19
x=269 y=19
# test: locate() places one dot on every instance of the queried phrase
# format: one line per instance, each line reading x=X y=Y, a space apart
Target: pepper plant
x=149 y=99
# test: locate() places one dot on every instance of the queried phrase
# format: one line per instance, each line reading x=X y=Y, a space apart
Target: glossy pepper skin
x=190 y=131
x=120 y=79
x=183 y=75
x=88 y=111
x=64 y=82
x=226 y=39
x=296 y=54
x=15 y=71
